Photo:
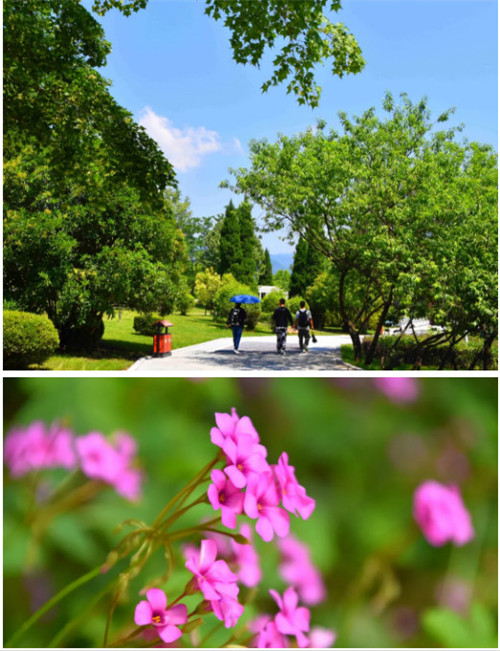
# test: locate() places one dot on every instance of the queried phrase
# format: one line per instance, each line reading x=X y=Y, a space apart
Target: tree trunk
x=487 y=356
x=356 y=341
x=371 y=351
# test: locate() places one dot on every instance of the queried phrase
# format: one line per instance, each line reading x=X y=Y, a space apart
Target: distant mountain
x=281 y=261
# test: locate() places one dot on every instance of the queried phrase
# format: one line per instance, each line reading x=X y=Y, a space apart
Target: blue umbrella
x=244 y=298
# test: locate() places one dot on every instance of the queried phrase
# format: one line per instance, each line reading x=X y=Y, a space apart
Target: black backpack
x=303 y=320
x=235 y=316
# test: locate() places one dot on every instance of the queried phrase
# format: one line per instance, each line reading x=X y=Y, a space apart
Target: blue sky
x=171 y=66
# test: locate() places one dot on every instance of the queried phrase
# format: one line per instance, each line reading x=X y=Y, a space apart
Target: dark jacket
x=282 y=317
x=237 y=314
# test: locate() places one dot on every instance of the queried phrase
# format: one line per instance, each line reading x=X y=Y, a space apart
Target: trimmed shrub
x=27 y=339
x=185 y=302
x=143 y=324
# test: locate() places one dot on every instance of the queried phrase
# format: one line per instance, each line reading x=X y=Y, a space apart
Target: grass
x=121 y=345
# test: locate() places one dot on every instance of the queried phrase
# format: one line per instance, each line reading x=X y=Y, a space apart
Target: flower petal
x=177 y=614
x=208 y=552
x=236 y=476
x=169 y=633
x=143 y=613
x=264 y=529
x=157 y=598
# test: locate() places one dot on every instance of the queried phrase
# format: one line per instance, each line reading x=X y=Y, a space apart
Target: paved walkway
x=256 y=354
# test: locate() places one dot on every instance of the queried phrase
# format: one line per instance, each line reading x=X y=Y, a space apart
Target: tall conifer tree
x=230 y=243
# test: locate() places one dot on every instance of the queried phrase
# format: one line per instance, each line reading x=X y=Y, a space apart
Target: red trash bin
x=162 y=341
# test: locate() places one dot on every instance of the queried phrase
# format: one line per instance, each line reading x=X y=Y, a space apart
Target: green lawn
x=121 y=345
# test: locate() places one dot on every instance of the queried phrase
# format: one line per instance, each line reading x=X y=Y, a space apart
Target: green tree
x=86 y=226
x=266 y=273
x=306 y=37
x=230 y=242
x=282 y=279
x=299 y=278
x=384 y=202
x=196 y=231
x=76 y=254
x=206 y=286
x=251 y=248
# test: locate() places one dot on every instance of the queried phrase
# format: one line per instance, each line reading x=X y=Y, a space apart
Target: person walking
x=281 y=318
x=236 y=319
x=303 y=321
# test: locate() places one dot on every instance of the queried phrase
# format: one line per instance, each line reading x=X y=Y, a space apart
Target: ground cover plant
x=310 y=512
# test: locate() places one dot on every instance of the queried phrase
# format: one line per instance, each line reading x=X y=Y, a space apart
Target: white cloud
x=185 y=147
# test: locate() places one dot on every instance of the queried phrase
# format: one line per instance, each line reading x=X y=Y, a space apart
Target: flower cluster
x=111 y=464
x=266 y=485
x=39 y=447
x=216 y=582
x=291 y=620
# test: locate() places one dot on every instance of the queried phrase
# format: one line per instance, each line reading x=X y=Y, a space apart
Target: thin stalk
x=175 y=516
x=130 y=636
x=189 y=487
x=187 y=532
x=67 y=628
x=51 y=603
x=108 y=619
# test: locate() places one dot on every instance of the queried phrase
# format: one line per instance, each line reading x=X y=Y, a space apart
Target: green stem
x=57 y=639
x=52 y=602
x=108 y=620
x=187 y=489
x=175 y=516
x=131 y=636
x=187 y=532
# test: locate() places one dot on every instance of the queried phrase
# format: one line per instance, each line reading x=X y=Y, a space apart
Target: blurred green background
x=359 y=454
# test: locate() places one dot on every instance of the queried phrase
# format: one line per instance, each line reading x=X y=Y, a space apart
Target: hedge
x=27 y=339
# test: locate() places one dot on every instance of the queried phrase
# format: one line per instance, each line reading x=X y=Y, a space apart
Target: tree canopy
x=301 y=31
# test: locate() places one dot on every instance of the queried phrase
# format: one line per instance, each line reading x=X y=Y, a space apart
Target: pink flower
x=440 y=513
x=293 y=495
x=261 y=503
x=231 y=426
x=37 y=447
x=270 y=638
x=154 y=611
x=245 y=458
x=291 y=620
x=125 y=445
x=242 y=558
x=101 y=461
x=321 y=638
x=247 y=559
x=214 y=578
x=98 y=457
x=228 y=610
x=298 y=570
x=398 y=389
x=224 y=495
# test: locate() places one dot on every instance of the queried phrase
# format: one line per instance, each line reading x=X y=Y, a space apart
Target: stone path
x=256 y=354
